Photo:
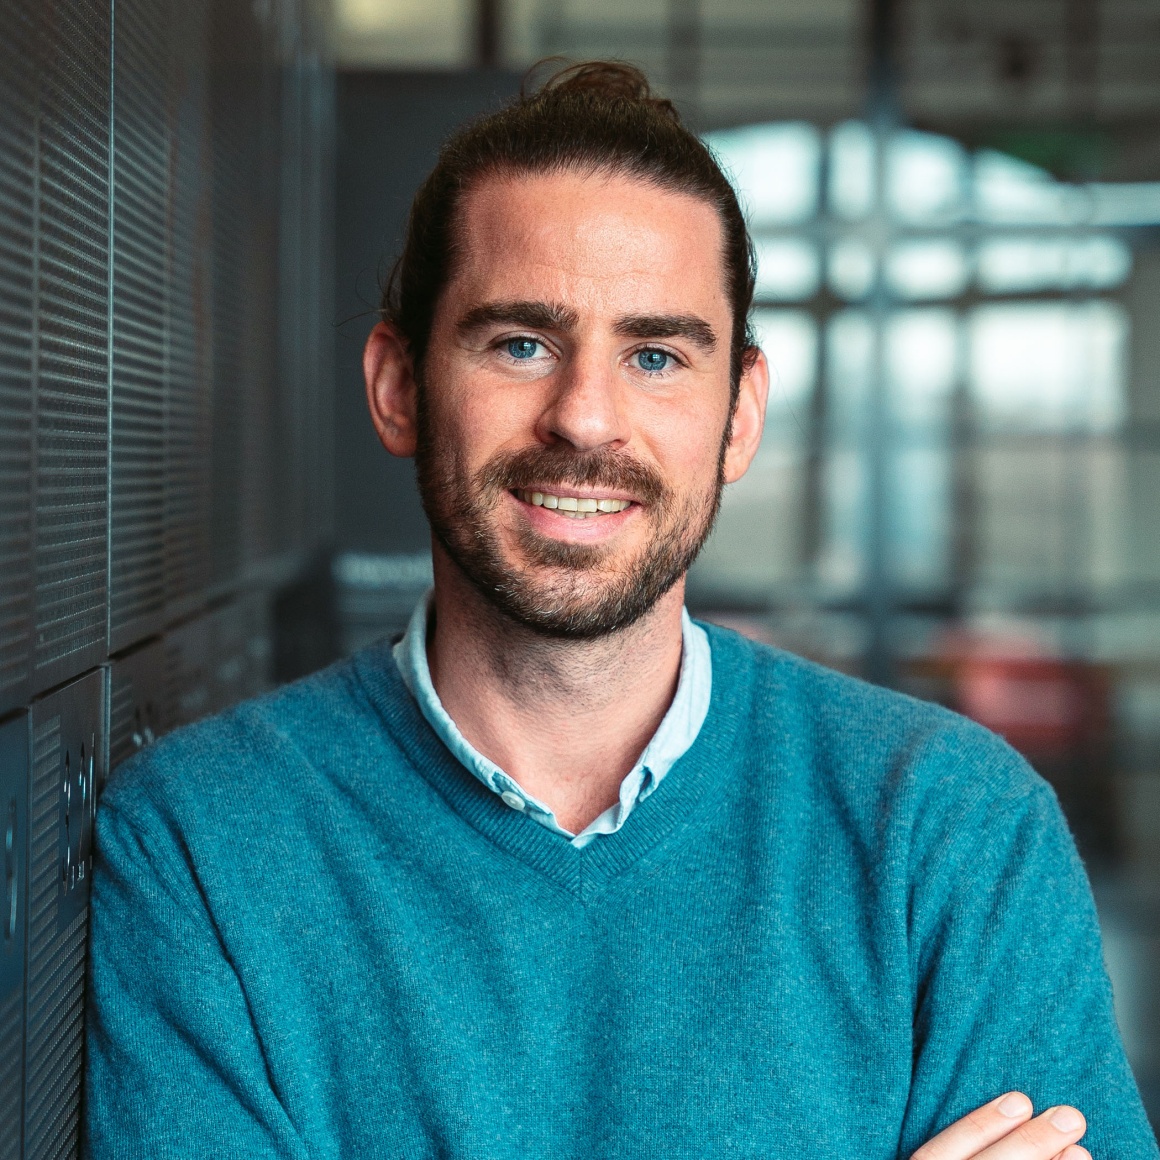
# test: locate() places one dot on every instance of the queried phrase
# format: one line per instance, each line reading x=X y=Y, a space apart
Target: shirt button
x=513 y=799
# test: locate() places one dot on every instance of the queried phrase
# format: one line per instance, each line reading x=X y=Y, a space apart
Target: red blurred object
x=1053 y=710
x=1046 y=708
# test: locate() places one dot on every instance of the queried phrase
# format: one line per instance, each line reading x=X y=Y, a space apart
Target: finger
x=1074 y=1152
x=1043 y=1138
x=967 y=1137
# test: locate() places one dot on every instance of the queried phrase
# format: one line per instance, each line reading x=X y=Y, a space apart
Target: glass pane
x=849 y=355
x=1049 y=366
x=920 y=516
x=790 y=341
x=1010 y=265
x=1050 y=518
x=846 y=490
x=1126 y=204
x=1010 y=190
x=774 y=169
x=851 y=180
x=926 y=177
x=787 y=269
x=850 y=269
x=933 y=268
x=921 y=358
x=845 y=478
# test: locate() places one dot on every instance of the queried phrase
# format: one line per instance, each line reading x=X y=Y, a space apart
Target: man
x=565 y=873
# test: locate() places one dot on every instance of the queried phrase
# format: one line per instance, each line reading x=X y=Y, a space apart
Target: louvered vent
x=56 y=961
x=137 y=712
x=17 y=174
x=72 y=372
x=13 y=888
x=187 y=418
x=11 y=1069
x=141 y=162
x=66 y=739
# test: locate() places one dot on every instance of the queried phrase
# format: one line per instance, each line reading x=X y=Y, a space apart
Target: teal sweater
x=843 y=920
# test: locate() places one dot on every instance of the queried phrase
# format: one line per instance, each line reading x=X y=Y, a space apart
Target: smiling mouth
x=572 y=506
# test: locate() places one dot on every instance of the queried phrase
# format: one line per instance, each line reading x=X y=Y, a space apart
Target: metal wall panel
x=240 y=647
x=188 y=673
x=17 y=219
x=67 y=747
x=137 y=712
x=161 y=396
x=187 y=416
x=14 y=853
x=263 y=442
x=295 y=351
x=141 y=185
x=235 y=112
x=72 y=304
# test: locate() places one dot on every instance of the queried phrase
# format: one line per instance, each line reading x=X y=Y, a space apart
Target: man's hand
x=1004 y=1130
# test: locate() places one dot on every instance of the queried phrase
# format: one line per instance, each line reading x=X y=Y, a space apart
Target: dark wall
x=390 y=126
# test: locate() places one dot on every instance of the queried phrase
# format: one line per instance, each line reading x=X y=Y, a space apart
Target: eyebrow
x=689 y=326
x=554 y=316
x=535 y=315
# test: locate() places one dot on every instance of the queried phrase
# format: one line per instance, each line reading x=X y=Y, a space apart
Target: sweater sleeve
x=174 y=1067
x=1011 y=991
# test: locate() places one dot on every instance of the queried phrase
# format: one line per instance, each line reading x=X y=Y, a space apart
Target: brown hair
x=601 y=115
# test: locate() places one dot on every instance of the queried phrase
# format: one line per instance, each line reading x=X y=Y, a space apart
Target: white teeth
x=572 y=506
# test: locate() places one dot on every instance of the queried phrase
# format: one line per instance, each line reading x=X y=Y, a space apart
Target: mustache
x=545 y=466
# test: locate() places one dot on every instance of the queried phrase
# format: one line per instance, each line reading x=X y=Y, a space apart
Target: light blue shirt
x=675 y=734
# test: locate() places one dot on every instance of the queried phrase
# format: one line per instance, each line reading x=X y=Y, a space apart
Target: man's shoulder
x=249 y=750
x=857 y=734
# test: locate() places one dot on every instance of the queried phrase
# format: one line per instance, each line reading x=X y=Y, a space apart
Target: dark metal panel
x=141 y=163
x=71 y=400
x=235 y=130
x=18 y=82
x=262 y=433
x=188 y=673
x=136 y=703
x=241 y=647
x=298 y=269
x=67 y=746
x=14 y=853
x=319 y=214
x=187 y=417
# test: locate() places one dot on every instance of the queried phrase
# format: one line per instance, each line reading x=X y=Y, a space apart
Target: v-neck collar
x=663 y=815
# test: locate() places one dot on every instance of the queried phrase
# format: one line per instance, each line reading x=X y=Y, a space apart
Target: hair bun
x=603 y=80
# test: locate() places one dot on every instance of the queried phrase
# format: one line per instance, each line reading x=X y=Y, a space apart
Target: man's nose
x=586 y=407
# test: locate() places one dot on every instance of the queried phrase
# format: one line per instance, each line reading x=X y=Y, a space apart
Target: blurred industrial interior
x=957 y=214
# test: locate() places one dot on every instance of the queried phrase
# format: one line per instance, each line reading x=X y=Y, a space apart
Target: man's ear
x=748 y=415
x=391 y=389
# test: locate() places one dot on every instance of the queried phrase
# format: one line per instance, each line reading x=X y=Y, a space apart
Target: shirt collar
x=674 y=736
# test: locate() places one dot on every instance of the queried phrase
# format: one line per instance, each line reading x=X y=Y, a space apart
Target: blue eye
x=522 y=347
x=652 y=360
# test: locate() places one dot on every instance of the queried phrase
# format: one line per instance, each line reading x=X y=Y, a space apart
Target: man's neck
x=566 y=719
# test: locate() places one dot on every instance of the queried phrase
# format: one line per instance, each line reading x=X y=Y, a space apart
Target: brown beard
x=587 y=596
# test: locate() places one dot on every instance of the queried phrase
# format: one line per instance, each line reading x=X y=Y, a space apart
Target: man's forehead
x=574 y=237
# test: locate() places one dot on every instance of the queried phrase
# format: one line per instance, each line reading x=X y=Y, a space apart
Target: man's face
x=573 y=415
